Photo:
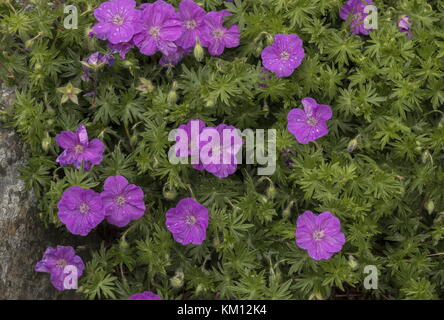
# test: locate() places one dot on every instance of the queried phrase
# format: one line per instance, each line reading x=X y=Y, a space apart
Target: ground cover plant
x=359 y=144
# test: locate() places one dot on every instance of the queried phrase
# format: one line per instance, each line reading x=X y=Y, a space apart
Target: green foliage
x=387 y=96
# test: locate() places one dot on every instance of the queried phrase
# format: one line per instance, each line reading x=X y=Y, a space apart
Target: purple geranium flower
x=121 y=48
x=217 y=157
x=355 y=8
x=78 y=149
x=80 y=210
x=146 y=295
x=284 y=56
x=122 y=202
x=311 y=123
x=118 y=21
x=174 y=58
x=191 y=145
x=188 y=221
x=192 y=17
x=404 y=25
x=215 y=36
x=160 y=28
x=55 y=261
x=320 y=234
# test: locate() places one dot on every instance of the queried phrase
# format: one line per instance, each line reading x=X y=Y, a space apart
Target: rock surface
x=23 y=238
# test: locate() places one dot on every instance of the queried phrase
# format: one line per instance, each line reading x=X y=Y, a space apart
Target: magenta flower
x=217 y=157
x=118 y=21
x=174 y=58
x=122 y=202
x=404 y=25
x=190 y=146
x=284 y=56
x=146 y=295
x=80 y=210
x=320 y=234
x=188 y=221
x=160 y=28
x=78 y=149
x=355 y=9
x=55 y=261
x=192 y=17
x=215 y=36
x=311 y=123
x=121 y=48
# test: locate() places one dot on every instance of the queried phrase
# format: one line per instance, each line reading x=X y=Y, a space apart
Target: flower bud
x=271 y=191
x=172 y=97
x=169 y=194
x=429 y=206
x=352 y=262
x=46 y=142
x=198 y=51
x=123 y=245
x=352 y=145
x=177 y=281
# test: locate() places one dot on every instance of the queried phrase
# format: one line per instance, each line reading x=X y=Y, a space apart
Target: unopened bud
x=429 y=206
x=46 y=142
x=352 y=145
x=271 y=192
x=169 y=194
x=172 y=97
x=198 y=51
x=352 y=262
x=177 y=281
x=123 y=244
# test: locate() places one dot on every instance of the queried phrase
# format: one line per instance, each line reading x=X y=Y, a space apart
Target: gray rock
x=23 y=238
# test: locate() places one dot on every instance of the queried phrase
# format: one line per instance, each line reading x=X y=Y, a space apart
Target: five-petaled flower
x=215 y=36
x=81 y=210
x=54 y=262
x=192 y=17
x=319 y=234
x=123 y=202
x=284 y=56
x=78 y=149
x=118 y=21
x=311 y=123
x=188 y=221
x=160 y=28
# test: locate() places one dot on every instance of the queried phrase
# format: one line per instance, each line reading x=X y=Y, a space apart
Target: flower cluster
x=81 y=210
x=207 y=147
x=157 y=27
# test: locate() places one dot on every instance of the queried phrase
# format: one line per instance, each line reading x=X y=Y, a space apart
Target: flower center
x=285 y=55
x=78 y=149
x=61 y=263
x=155 y=32
x=191 y=220
x=190 y=24
x=118 y=20
x=318 y=235
x=84 y=208
x=312 y=121
x=218 y=33
x=120 y=200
